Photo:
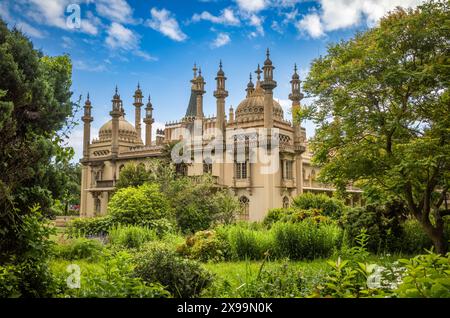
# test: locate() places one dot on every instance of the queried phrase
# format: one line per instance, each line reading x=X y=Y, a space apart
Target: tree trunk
x=437 y=237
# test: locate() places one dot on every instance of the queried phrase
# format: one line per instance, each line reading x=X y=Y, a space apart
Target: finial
x=116 y=88
x=149 y=98
x=220 y=64
x=250 y=76
x=258 y=72
x=139 y=86
x=195 y=70
x=267 y=53
x=88 y=96
x=295 y=68
x=199 y=71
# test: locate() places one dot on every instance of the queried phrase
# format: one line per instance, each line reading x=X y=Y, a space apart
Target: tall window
x=181 y=169
x=285 y=202
x=245 y=204
x=207 y=167
x=241 y=170
x=287 y=169
x=98 y=206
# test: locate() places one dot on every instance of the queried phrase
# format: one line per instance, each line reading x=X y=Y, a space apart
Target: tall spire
x=195 y=70
x=87 y=119
x=295 y=96
x=137 y=114
x=250 y=87
x=148 y=120
x=220 y=94
x=258 y=74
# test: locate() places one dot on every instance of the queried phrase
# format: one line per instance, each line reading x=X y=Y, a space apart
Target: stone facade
x=119 y=142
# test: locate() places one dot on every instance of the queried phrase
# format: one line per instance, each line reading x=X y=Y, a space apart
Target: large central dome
x=127 y=132
x=252 y=108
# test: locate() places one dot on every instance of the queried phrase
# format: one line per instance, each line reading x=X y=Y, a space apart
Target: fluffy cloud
x=121 y=37
x=312 y=25
x=252 y=5
x=221 y=40
x=256 y=21
x=115 y=10
x=164 y=22
x=226 y=17
x=340 y=14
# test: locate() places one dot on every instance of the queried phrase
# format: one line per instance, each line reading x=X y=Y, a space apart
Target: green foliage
x=377 y=87
x=426 y=276
x=138 y=206
x=132 y=175
x=277 y=214
x=131 y=236
x=413 y=238
x=246 y=243
x=113 y=280
x=305 y=240
x=205 y=246
x=9 y=282
x=330 y=207
x=383 y=228
x=34 y=104
x=80 y=248
x=182 y=277
x=98 y=226
x=193 y=201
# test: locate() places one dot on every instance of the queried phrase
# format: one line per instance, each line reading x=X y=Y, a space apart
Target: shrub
x=305 y=240
x=131 y=236
x=275 y=215
x=426 y=276
x=89 y=226
x=205 y=246
x=80 y=248
x=138 y=206
x=246 y=243
x=413 y=238
x=382 y=227
x=330 y=207
x=9 y=282
x=180 y=276
x=113 y=279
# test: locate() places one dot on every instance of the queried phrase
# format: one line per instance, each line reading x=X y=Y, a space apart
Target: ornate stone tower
x=231 y=115
x=116 y=113
x=148 y=120
x=250 y=87
x=268 y=85
x=199 y=89
x=295 y=96
x=87 y=119
x=220 y=94
x=137 y=115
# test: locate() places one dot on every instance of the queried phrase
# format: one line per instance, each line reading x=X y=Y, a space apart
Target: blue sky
x=155 y=43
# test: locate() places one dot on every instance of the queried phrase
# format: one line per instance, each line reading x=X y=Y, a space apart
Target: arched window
x=285 y=202
x=313 y=174
x=245 y=204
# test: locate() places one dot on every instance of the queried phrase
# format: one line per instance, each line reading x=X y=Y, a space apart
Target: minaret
x=116 y=113
x=87 y=119
x=231 y=115
x=268 y=85
x=148 y=120
x=137 y=115
x=250 y=87
x=295 y=96
x=199 y=90
x=220 y=94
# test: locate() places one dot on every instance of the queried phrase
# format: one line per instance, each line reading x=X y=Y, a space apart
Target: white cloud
x=252 y=5
x=221 y=40
x=276 y=27
x=115 y=10
x=145 y=55
x=88 y=66
x=340 y=14
x=256 y=21
x=164 y=22
x=121 y=37
x=312 y=25
x=29 y=30
x=226 y=17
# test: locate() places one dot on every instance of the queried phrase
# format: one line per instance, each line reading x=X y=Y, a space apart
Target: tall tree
x=383 y=112
x=34 y=106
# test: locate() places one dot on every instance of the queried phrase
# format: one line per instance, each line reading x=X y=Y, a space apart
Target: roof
x=192 y=107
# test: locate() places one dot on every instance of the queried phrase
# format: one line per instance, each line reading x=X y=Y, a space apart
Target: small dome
x=127 y=132
x=252 y=108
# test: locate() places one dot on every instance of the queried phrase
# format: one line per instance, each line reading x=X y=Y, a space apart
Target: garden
x=318 y=247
